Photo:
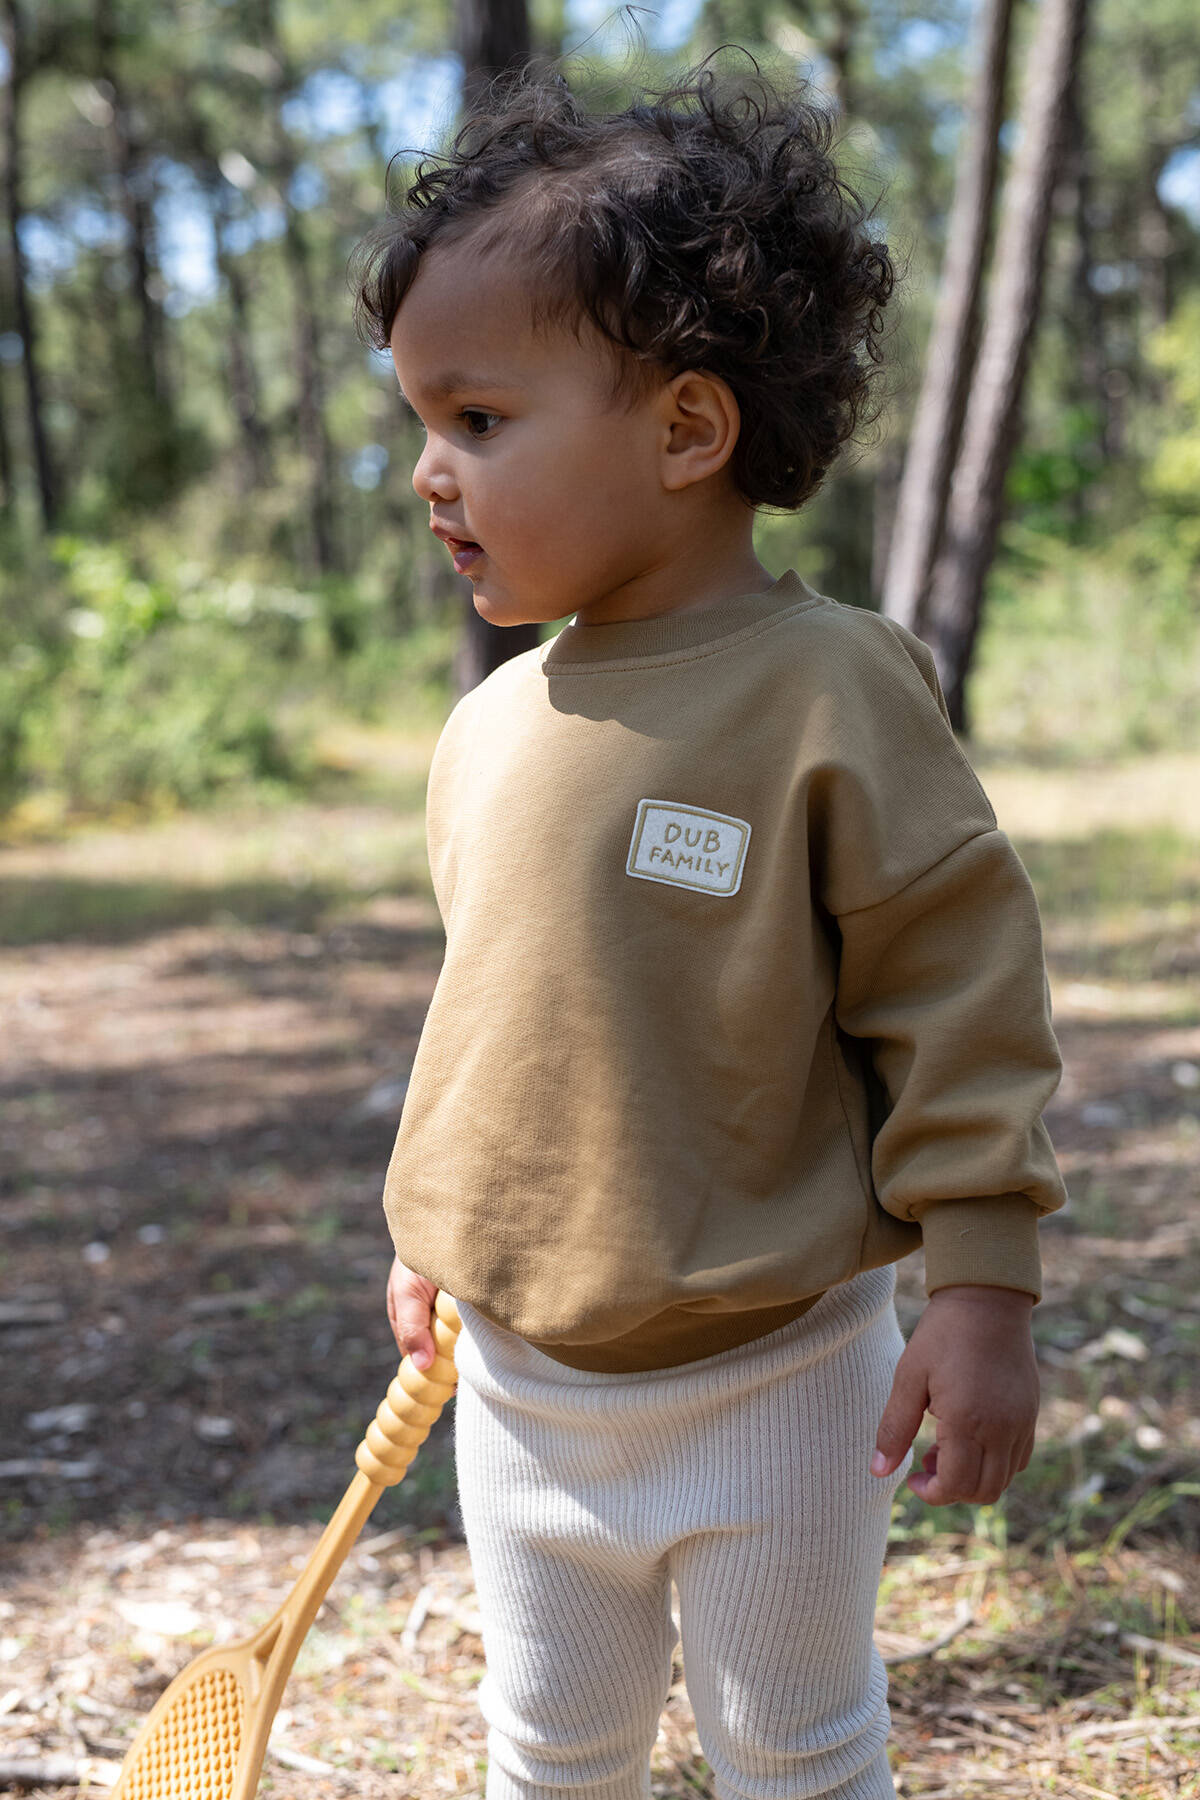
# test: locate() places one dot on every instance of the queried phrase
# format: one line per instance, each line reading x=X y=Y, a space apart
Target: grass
x=301 y=864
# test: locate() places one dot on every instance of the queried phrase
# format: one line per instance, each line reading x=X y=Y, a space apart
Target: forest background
x=209 y=547
x=227 y=643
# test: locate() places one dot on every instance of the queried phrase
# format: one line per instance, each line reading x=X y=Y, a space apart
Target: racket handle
x=411 y=1404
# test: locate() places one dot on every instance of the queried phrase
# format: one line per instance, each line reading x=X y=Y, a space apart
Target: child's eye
x=470 y=414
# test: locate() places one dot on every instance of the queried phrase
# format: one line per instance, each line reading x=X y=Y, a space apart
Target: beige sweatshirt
x=743 y=990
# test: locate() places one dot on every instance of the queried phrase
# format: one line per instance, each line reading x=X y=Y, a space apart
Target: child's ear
x=702 y=420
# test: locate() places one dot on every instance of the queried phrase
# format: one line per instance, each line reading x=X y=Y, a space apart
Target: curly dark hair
x=706 y=227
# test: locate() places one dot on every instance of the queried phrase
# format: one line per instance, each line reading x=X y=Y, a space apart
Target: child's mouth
x=465 y=552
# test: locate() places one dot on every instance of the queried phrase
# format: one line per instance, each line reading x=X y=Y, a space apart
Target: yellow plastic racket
x=207 y=1734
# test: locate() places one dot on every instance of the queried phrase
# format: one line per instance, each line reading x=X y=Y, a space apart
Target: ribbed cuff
x=990 y=1240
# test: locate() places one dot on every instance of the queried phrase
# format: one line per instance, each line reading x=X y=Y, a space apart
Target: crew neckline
x=684 y=629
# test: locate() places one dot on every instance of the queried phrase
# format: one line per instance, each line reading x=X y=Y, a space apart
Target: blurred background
x=209 y=546
x=227 y=644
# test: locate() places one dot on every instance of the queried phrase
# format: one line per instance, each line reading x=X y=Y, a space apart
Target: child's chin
x=498 y=611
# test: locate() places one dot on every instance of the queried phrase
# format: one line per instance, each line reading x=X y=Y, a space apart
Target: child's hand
x=410 y=1301
x=971 y=1363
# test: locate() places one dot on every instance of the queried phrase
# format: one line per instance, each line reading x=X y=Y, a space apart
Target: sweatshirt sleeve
x=941 y=976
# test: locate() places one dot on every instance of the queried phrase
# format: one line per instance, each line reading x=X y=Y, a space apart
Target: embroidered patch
x=686 y=847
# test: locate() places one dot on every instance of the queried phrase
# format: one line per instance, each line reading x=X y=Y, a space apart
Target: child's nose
x=433 y=478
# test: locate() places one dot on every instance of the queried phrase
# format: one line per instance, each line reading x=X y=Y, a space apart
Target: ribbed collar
x=683 y=629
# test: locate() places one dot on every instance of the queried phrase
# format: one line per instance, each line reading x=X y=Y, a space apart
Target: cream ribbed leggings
x=742 y=1477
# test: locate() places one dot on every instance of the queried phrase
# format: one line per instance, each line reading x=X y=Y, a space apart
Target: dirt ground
x=204 y=1061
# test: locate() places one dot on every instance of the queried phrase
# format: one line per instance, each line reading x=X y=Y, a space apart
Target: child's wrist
x=980 y=1294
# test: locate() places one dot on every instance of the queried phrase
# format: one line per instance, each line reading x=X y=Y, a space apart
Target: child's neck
x=685 y=583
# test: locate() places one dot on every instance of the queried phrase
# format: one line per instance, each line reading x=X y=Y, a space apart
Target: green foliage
x=1047 y=480
x=145 y=730
x=164 y=695
x=153 y=692
x=1173 y=475
x=1089 y=651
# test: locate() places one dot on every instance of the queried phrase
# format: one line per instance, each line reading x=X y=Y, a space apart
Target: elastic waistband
x=500 y=1365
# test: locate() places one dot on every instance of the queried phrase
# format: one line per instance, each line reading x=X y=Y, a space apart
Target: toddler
x=743 y=995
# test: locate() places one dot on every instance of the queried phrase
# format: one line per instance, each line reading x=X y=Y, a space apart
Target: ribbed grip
x=412 y=1403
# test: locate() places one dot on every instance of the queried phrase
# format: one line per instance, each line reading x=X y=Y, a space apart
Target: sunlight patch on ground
x=1146 y=1000
x=1074 y=803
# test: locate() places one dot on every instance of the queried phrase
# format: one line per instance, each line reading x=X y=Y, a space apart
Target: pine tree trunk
x=7 y=492
x=245 y=391
x=310 y=383
x=975 y=507
x=884 y=499
x=132 y=186
x=1085 y=321
x=839 y=50
x=493 y=35
x=937 y=423
x=1154 y=243
x=244 y=387
x=324 y=555
x=10 y=121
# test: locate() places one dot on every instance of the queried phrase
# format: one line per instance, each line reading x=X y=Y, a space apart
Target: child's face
x=557 y=486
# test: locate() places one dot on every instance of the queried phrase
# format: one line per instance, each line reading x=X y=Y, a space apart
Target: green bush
x=1090 y=652
x=123 y=690
x=180 y=715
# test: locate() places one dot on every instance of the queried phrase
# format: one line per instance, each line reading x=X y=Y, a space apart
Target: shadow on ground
x=201 y=1092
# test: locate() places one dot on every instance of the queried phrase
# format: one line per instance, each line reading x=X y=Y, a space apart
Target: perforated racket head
x=197 y=1743
x=206 y=1735
x=191 y=1744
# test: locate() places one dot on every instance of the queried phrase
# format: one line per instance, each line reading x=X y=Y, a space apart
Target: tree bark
x=310 y=378
x=130 y=169
x=1086 y=315
x=1154 y=298
x=492 y=35
x=1154 y=244
x=1083 y=316
x=941 y=405
x=324 y=555
x=884 y=499
x=7 y=489
x=839 y=48
x=245 y=392
x=244 y=387
x=10 y=103
x=975 y=507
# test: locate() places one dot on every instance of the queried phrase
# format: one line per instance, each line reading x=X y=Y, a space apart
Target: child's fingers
x=902 y=1416
x=413 y=1336
x=949 y=1472
x=961 y=1470
x=410 y=1299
